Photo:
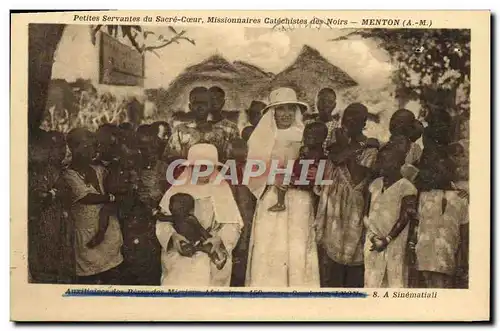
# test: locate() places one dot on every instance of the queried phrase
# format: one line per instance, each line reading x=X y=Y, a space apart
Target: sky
x=272 y=51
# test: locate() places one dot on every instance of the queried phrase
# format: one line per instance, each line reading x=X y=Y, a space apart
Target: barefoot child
x=405 y=130
x=339 y=217
x=187 y=225
x=392 y=205
x=312 y=149
x=119 y=181
x=141 y=249
x=85 y=180
x=442 y=234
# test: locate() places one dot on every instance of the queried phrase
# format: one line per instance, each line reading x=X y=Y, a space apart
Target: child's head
x=403 y=123
x=354 y=118
x=82 y=144
x=107 y=141
x=238 y=150
x=217 y=99
x=254 y=112
x=199 y=103
x=315 y=134
x=57 y=143
x=181 y=205
x=326 y=101
x=148 y=142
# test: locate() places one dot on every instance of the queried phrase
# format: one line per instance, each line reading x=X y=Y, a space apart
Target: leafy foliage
x=139 y=38
x=432 y=64
x=433 y=67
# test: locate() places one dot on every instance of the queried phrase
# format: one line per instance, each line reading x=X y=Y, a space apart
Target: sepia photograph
x=292 y=154
x=112 y=106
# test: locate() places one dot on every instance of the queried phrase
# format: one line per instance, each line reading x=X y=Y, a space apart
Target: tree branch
x=172 y=40
x=93 y=33
x=131 y=38
x=127 y=32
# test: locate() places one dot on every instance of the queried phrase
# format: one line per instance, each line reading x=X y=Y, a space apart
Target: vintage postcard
x=250 y=166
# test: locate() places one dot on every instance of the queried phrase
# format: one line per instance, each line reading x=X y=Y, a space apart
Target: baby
x=312 y=149
x=119 y=181
x=186 y=224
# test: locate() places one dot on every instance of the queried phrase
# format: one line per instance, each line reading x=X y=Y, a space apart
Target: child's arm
x=412 y=214
x=413 y=235
x=204 y=236
x=408 y=205
x=204 y=233
x=407 y=212
x=104 y=214
x=368 y=200
x=159 y=216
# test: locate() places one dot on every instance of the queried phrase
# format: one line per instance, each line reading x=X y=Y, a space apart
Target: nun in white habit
x=216 y=211
x=282 y=250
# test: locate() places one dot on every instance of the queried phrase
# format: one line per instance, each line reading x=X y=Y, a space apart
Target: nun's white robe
x=282 y=251
x=216 y=211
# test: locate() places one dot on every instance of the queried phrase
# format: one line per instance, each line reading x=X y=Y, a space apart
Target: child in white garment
x=392 y=205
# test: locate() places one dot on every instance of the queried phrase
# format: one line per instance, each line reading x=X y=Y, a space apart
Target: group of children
x=136 y=164
x=402 y=223
x=415 y=231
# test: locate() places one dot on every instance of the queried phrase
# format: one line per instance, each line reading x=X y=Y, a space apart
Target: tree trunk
x=42 y=45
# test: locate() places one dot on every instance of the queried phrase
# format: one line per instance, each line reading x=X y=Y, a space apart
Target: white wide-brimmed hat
x=202 y=154
x=284 y=96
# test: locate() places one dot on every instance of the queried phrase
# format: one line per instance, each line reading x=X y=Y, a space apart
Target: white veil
x=225 y=207
x=261 y=144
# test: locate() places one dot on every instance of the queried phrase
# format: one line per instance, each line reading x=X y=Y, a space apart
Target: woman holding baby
x=214 y=209
x=282 y=251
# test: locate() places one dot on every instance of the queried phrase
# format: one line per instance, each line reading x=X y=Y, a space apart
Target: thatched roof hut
x=241 y=82
x=308 y=74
